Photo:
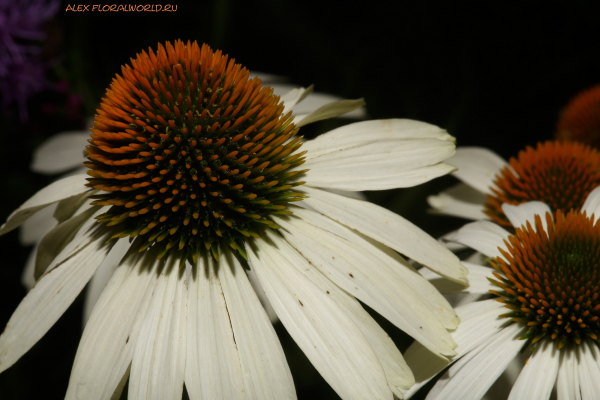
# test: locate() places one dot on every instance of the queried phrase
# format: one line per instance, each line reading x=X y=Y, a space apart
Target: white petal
x=589 y=370
x=397 y=372
x=328 y=337
x=329 y=110
x=60 y=152
x=537 y=378
x=102 y=276
x=592 y=204
x=59 y=190
x=519 y=215
x=475 y=377
x=34 y=228
x=317 y=100
x=399 y=268
x=213 y=368
x=446 y=241
x=264 y=300
x=371 y=131
x=70 y=206
x=158 y=364
x=460 y=201
x=478 y=280
x=358 y=270
x=436 y=302
x=52 y=295
x=264 y=367
x=384 y=164
x=58 y=238
x=291 y=98
x=388 y=228
x=483 y=236
x=106 y=347
x=567 y=381
x=477 y=167
x=479 y=323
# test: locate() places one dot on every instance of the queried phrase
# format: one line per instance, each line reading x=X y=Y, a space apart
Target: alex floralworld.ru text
x=121 y=7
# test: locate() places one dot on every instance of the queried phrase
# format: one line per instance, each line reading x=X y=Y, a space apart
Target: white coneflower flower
x=548 y=276
x=560 y=174
x=193 y=167
x=65 y=153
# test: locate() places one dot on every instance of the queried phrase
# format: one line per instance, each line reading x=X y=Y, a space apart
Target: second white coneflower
x=197 y=166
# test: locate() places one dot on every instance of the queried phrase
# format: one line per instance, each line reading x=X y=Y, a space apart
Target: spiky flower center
x=560 y=174
x=580 y=119
x=191 y=152
x=551 y=281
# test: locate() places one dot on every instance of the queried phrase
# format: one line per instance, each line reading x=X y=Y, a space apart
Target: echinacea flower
x=65 y=153
x=193 y=168
x=580 y=119
x=560 y=174
x=546 y=284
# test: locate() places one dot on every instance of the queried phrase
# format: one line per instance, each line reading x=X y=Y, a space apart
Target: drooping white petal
x=60 y=153
x=264 y=367
x=380 y=253
x=324 y=332
x=476 y=376
x=317 y=100
x=383 y=164
x=477 y=167
x=329 y=110
x=70 y=206
x=479 y=323
x=34 y=228
x=213 y=364
x=106 y=347
x=59 y=190
x=397 y=372
x=567 y=380
x=371 y=131
x=159 y=358
x=102 y=276
x=362 y=274
x=58 y=238
x=588 y=370
x=519 y=215
x=483 y=236
x=592 y=204
x=264 y=300
x=293 y=97
x=52 y=295
x=460 y=200
x=388 y=228
x=436 y=302
x=537 y=378
x=478 y=280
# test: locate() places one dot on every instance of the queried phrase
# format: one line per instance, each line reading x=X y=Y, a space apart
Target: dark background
x=494 y=74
